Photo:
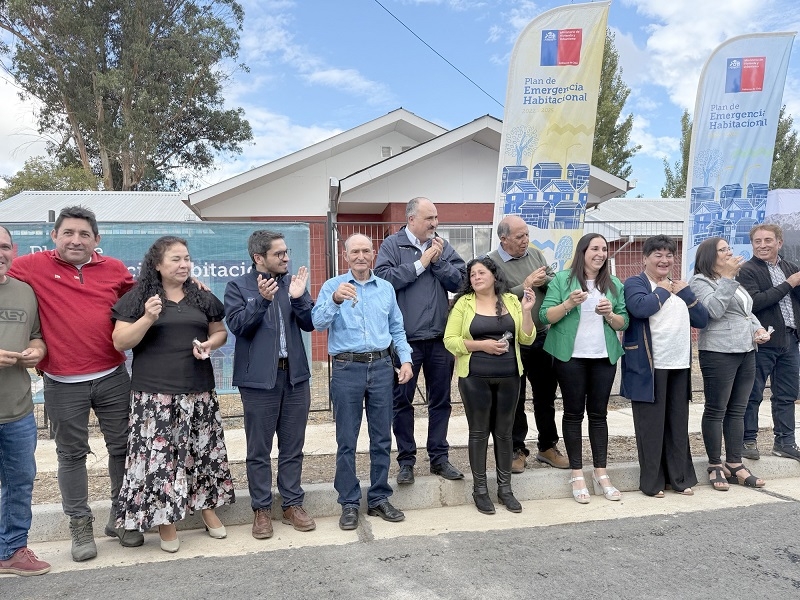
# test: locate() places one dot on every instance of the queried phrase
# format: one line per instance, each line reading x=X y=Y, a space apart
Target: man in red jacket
x=76 y=288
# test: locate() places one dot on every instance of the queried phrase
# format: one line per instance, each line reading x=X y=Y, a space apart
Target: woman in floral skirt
x=176 y=460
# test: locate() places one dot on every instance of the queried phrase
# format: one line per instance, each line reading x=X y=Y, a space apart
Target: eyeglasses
x=281 y=254
x=725 y=250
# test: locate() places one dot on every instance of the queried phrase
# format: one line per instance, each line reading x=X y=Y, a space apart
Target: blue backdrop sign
x=733 y=137
x=218 y=250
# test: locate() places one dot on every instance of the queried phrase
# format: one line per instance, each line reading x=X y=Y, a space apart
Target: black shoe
x=447 y=471
x=789 y=451
x=511 y=503
x=406 y=475
x=386 y=511
x=349 y=518
x=750 y=450
x=483 y=503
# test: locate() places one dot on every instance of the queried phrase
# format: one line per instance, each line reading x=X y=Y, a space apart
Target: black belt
x=362 y=356
x=283 y=364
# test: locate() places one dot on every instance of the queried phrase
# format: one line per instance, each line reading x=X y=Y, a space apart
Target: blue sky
x=319 y=67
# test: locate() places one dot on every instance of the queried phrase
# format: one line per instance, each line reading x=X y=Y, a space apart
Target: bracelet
x=566 y=312
x=609 y=318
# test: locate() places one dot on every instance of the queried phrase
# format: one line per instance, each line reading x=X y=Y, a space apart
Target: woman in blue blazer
x=656 y=375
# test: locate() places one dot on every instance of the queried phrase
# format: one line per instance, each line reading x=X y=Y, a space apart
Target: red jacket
x=75 y=309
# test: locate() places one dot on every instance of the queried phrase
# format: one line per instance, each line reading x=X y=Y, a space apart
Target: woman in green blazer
x=484 y=330
x=585 y=308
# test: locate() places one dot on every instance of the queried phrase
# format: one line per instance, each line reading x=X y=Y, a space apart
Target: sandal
x=582 y=495
x=748 y=481
x=687 y=492
x=718 y=481
x=659 y=494
x=609 y=491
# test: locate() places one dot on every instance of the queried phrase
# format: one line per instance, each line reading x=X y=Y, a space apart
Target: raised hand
x=297 y=287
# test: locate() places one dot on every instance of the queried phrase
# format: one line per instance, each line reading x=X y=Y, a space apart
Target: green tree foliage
x=675 y=180
x=612 y=150
x=41 y=174
x=786 y=157
x=130 y=88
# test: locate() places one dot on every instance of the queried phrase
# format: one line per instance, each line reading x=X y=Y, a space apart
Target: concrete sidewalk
x=50 y=524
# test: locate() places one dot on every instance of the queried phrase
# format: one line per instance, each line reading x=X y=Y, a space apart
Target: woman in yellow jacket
x=485 y=323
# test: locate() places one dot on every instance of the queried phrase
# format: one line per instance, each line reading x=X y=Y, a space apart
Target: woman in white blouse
x=727 y=360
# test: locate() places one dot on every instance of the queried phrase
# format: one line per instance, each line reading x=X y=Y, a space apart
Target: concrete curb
x=50 y=524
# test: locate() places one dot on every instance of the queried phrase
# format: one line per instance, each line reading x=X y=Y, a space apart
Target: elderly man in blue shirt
x=361 y=315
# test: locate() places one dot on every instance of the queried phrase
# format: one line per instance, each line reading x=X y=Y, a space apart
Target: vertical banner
x=548 y=126
x=733 y=140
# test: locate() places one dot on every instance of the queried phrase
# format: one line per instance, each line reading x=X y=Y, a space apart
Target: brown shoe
x=518 y=464
x=262 y=524
x=553 y=457
x=25 y=563
x=297 y=517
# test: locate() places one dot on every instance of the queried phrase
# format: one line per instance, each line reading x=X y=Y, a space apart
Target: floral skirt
x=176 y=460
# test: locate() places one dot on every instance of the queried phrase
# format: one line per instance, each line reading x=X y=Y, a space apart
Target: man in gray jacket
x=525 y=266
x=423 y=268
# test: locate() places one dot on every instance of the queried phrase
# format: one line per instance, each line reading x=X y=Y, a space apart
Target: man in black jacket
x=423 y=267
x=772 y=282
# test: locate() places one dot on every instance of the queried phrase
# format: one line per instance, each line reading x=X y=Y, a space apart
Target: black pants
x=662 y=434
x=489 y=403
x=727 y=383
x=538 y=366
x=585 y=387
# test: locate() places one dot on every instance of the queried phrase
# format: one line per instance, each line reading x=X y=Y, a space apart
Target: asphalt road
x=750 y=552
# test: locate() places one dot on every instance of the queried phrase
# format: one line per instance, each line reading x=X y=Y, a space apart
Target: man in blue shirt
x=361 y=315
x=268 y=310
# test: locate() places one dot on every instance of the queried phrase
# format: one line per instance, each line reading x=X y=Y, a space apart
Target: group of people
x=511 y=321
x=746 y=313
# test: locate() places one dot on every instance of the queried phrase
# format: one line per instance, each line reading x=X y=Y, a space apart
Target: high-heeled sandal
x=609 y=491
x=718 y=481
x=581 y=496
x=749 y=480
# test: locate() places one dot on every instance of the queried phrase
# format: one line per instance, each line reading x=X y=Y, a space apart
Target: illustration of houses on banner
x=547 y=200
x=729 y=216
x=757 y=194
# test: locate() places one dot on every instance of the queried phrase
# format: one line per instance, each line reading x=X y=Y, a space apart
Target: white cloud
x=274 y=136
x=685 y=32
x=656 y=146
x=267 y=37
x=19 y=139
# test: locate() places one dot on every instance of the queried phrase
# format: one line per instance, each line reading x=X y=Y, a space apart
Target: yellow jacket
x=460 y=319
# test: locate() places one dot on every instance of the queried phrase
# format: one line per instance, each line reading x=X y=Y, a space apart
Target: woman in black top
x=176 y=460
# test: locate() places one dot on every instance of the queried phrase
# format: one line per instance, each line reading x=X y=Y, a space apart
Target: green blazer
x=560 y=340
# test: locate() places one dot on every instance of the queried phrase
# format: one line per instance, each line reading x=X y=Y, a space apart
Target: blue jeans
x=68 y=406
x=782 y=366
x=437 y=364
x=17 y=472
x=354 y=387
x=282 y=410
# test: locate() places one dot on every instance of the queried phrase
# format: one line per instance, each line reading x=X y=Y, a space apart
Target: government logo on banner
x=733 y=140
x=561 y=47
x=745 y=74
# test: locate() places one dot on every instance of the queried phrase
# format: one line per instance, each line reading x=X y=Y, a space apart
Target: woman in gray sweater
x=727 y=360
